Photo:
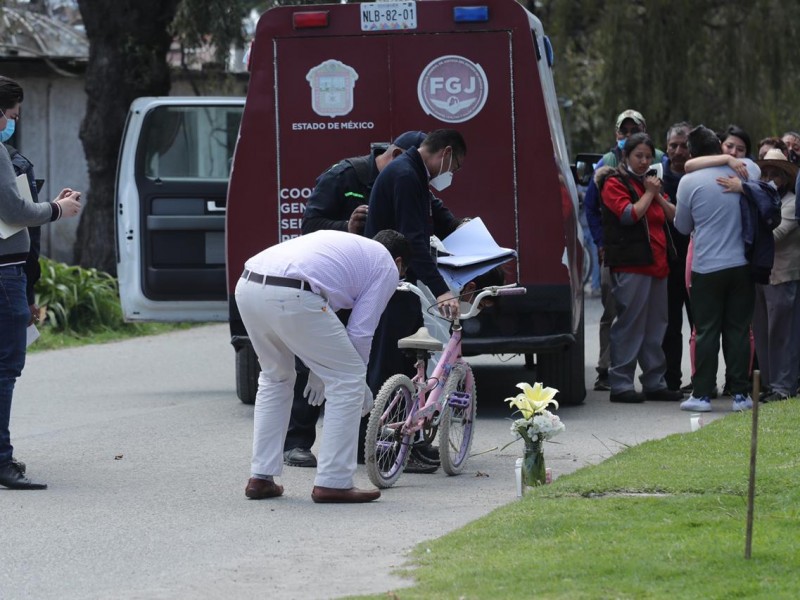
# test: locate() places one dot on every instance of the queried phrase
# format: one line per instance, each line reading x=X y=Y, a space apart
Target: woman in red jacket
x=634 y=214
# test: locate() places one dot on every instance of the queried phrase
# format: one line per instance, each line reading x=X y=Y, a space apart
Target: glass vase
x=533 y=469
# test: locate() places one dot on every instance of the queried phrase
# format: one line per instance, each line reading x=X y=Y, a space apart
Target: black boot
x=12 y=477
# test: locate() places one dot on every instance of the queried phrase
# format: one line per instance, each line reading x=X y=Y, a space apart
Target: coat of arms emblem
x=332 y=84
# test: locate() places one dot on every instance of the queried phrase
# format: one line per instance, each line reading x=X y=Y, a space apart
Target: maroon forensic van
x=327 y=81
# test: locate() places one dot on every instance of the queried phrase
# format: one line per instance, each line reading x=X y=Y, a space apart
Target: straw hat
x=775 y=158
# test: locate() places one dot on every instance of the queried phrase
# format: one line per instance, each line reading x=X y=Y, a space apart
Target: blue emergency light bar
x=470 y=14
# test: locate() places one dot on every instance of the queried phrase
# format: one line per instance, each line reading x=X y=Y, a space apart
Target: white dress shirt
x=348 y=270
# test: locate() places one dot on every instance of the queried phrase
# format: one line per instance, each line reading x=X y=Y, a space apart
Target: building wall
x=48 y=134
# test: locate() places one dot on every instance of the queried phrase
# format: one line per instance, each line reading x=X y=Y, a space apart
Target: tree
x=128 y=44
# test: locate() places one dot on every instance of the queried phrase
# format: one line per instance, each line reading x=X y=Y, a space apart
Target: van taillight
x=307 y=20
x=470 y=14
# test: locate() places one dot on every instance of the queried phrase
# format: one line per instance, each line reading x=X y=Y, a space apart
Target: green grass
x=81 y=306
x=581 y=537
x=51 y=339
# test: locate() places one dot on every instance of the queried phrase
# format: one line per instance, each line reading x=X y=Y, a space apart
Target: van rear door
x=172 y=182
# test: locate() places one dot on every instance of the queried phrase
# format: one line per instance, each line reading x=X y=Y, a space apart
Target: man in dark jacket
x=339 y=201
x=674 y=162
x=401 y=199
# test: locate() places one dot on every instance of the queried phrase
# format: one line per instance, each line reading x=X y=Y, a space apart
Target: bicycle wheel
x=457 y=423
x=386 y=448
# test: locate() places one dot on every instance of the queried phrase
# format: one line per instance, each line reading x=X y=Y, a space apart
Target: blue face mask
x=621 y=143
x=8 y=132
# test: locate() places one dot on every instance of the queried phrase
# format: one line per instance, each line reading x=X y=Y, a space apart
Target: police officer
x=339 y=201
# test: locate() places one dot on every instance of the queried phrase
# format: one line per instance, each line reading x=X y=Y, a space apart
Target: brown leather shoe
x=336 y=495
x=258 y=489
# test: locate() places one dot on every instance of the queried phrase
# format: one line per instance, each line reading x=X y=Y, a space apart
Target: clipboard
x=6 y=229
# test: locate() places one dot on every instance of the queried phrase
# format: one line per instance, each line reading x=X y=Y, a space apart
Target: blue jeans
x=14 y=318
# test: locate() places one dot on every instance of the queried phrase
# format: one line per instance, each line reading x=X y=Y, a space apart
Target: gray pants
x=607 y=318
x=638 y=331
x=776 y=329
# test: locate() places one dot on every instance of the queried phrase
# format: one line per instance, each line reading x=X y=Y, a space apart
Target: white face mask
x=444 y=178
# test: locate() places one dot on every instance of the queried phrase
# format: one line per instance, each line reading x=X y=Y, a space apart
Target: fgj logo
x=332 y=84
x=452 y=88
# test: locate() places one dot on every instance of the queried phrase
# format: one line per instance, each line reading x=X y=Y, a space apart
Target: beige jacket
x=787 y=244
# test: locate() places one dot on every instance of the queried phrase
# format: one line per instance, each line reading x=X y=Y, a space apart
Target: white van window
x=190 y=142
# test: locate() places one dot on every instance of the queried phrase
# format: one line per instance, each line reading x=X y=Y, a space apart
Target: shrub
x=78 y=300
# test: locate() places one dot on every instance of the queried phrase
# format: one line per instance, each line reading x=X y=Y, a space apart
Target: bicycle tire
x=386 y=450
x=457 y=422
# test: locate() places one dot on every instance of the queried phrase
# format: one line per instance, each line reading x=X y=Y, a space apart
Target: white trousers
x=283 y=323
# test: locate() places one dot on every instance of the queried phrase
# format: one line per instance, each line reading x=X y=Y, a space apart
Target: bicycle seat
x=421 y=340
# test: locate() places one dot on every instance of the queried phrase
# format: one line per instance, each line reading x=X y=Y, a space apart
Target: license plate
x=385 y=16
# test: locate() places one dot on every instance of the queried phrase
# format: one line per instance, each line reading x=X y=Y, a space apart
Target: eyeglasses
x=458 y=164
x=629 y=130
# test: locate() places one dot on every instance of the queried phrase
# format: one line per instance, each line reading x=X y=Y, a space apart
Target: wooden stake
x=751 y=488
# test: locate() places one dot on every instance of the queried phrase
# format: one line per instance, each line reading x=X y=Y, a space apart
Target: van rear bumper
x=517 y=345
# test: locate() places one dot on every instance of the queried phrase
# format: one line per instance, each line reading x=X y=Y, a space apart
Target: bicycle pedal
x=459 y=400
x=421 y=340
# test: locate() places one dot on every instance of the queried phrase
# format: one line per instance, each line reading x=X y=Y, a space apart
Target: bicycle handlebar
x=511 y=289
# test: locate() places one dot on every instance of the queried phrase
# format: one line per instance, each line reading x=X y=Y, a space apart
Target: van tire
x=247 y=371
x=565 y=371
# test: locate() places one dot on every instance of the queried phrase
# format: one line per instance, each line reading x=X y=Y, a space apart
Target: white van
x=172 y=185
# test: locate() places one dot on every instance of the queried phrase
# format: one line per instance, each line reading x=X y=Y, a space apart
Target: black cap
x=408 y=139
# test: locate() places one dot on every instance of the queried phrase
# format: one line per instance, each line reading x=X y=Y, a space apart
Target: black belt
x=297 y=284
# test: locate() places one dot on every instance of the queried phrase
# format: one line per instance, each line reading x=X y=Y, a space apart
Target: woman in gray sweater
x=15 y=315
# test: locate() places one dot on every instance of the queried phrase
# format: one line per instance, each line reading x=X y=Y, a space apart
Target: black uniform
x=338 y=192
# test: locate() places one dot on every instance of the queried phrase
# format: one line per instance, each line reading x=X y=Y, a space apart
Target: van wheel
x=565 y=371
x=247 y=370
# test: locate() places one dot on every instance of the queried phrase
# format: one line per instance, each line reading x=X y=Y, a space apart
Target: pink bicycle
x=445 y=402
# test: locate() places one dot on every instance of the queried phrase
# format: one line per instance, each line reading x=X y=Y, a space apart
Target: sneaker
x=416 y=465
x=742 y=402
x=664 y=394
x=601 y=383
x=773 y=397
x=702 y=404
x=427 y=454
x=627 y=397
x=688 y=389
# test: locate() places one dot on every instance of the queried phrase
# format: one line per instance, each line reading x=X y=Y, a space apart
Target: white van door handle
x=211 y=206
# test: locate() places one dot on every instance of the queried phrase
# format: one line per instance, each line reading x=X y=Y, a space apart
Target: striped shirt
x=348 y=270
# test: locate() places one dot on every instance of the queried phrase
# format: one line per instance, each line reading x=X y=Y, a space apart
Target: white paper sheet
x=7 y=230
x=471 y=244
x=33 y=334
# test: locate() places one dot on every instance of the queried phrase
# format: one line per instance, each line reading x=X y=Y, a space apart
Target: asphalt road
x=146 y=450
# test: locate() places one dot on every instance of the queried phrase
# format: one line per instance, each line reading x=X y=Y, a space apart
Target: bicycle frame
x=429 y=389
